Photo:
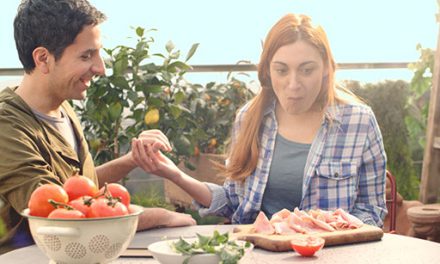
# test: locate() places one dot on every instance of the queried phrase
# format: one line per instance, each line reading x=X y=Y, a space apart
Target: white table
x=391 y=249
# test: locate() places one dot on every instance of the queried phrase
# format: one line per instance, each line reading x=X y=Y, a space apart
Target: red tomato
x=39 y=201
x=118 y=191
x=66 y=214
x=82 y=204
x=78 y=185
x=307 y=246
x=105 y=208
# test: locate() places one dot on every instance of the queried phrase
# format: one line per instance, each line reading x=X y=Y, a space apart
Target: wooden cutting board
x=282 y=242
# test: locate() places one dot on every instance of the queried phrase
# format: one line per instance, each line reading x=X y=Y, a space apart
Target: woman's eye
x=306 y=71
x=280 y=71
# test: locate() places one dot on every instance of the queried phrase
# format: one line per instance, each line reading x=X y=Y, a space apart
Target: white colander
x=88 y=240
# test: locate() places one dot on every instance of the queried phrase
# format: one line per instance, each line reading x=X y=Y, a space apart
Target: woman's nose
x=293 y=81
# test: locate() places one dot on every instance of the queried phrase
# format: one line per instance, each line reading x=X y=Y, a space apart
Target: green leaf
x=179 y=97
x=182 y=145
x=140 y=31
x=120 y=66
x=115 y=111
x=178 y=65
x=192 y=51
x=229 y=252
x=175 y=111
x=157 y=102
x=169 y=46
x=153 y=89
x=120 y=82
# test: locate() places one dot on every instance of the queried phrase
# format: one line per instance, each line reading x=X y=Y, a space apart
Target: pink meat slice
x=282 y=228
x=353 y=221
x=276 y=219
x=262 y=225
x=283 y=213
x=322 y=224
x=295 y=223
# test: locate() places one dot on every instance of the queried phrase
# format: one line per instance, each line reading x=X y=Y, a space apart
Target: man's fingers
x=140 y=155
x=153 y=136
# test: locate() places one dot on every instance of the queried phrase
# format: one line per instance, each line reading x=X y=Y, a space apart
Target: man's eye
x=86 y=56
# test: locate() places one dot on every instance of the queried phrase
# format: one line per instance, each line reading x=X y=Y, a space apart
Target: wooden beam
x=253 y=67
x=430 y=183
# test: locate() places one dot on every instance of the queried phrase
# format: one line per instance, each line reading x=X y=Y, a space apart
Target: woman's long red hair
x=245 y=147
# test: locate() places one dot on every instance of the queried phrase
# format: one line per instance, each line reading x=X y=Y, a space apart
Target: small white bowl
x=163 y=253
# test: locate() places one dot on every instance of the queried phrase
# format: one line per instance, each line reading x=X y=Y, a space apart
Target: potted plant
x=138 y=94
x=214 y=107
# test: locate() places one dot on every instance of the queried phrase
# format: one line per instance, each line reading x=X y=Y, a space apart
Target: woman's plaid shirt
x=345 y=169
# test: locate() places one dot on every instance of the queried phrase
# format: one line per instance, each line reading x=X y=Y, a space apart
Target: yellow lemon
x=213 y=142
x=152 y=117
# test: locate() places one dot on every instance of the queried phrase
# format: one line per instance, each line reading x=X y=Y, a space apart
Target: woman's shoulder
x=354 y=108
x=352 y=112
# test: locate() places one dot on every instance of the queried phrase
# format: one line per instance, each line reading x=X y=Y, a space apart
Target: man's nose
x=98 y=67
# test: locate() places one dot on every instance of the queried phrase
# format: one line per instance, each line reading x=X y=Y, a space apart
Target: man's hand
x=149 y=141
x=159 y=217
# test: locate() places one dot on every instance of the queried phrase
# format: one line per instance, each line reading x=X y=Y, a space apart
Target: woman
x=301 y=142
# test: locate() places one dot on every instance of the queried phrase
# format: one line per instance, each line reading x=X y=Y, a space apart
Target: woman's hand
x=146 y=153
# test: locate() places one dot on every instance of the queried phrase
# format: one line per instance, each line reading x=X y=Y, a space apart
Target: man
x=41 y=139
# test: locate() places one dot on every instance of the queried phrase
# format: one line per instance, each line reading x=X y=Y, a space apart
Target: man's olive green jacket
x=32 y=152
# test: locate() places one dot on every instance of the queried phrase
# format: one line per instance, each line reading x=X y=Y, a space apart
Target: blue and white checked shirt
x=345 y=168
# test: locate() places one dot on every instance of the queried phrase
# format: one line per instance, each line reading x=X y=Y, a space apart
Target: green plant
x=138 y=94
x=418 y=102
x=388 y=102
x=151 y=197
x=214 y=107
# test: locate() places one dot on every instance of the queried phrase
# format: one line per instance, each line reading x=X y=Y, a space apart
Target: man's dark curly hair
x=52 y=24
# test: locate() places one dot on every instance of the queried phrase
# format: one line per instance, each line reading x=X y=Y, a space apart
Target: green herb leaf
x=228 y=251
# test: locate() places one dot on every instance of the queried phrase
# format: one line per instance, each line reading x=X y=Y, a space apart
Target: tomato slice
x=307 y=245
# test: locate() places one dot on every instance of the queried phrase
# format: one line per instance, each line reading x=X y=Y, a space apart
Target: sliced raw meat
x=353 y=221
x=282 y=228
x=262 y=225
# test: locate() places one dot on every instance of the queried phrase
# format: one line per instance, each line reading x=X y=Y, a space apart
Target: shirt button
x=336 y=174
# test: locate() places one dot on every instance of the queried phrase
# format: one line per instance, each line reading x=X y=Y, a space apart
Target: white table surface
x=391 y=249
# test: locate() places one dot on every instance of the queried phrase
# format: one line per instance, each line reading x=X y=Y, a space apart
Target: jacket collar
x=10 y=97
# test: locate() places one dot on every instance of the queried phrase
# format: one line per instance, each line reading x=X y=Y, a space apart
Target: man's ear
x=41 y=58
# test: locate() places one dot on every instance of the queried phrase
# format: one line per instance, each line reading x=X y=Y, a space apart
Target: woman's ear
x=41 y=58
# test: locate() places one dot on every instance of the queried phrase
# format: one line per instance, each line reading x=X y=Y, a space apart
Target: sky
x=232 y=30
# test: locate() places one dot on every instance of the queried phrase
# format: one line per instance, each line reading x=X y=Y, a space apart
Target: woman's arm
x=153 y=161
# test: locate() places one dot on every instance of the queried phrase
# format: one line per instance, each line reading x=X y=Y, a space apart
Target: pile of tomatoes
x=79 y=197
